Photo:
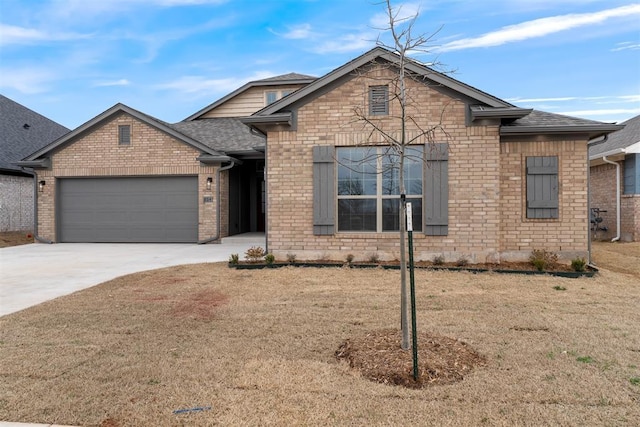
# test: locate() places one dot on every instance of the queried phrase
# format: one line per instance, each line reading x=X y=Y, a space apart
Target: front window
x=369 y=187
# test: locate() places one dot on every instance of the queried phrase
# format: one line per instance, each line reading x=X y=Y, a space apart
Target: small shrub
x=269 y=259
x=542 y=259
x=374 y=258
x=291 y=258
x=349 y=258
x=578 y=264
x=438 y=260
x=463 y=261
x=254 y=254
x=234 y=259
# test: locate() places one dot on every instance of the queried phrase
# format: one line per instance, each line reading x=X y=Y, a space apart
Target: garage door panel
x=148 y=209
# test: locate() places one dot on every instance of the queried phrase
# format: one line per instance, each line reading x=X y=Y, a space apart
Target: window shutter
x=542 y=187
x=436 y=190
x=323 y=190
x=378 y=100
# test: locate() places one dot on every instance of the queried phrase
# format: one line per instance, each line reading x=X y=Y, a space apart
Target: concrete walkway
x=32 y=274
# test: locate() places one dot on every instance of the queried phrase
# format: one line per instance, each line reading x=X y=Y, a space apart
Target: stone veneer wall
x=16 y=203
x=151 y=153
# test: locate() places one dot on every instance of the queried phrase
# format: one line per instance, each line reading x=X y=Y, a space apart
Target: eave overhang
x=210 y=159
x=44 y=163
x=509 y=113
x=593 y=131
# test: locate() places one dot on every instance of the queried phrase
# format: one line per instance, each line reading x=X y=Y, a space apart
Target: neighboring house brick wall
x=566 y=235
x=150 y=153
x=16 y=203
x=474 y=181
x=630 y=220
x=603 y=196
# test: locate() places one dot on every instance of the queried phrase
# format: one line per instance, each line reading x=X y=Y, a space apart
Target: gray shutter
x=542 y=187
x=436 y=190
x=324 y=198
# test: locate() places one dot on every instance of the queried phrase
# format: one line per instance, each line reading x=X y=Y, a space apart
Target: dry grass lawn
x=257 y=348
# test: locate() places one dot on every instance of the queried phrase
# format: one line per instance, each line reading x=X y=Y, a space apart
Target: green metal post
x=412 y=281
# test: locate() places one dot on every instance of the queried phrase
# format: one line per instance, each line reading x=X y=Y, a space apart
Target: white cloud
x=84 y=7
x=12 y=34
x=121 y=82
x=297 y=32
x=540 y=28
x=348 y=43
x=205 y=86
x=602 y=112
x=402 y=12
x=26 y=80
x=626 y=46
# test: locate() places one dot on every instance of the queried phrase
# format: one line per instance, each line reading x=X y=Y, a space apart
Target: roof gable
x=379 y=53
x=284 y=79
x=23 y=131
x=87 y=127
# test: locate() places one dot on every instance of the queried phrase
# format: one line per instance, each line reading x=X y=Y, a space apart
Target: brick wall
x=16 y=203
x=566 y=235
x=482 y=226
x=603 y=196
x=474 y=184
x=630 y=220
x=151 y=152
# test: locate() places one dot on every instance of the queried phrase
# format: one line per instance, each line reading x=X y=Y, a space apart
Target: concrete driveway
x=32 y=274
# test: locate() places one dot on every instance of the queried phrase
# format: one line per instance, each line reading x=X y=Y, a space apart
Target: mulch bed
x=378 y=357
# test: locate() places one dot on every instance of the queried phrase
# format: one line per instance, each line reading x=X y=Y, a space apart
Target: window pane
x=271 y=97
x=356 y=215
x=412 y=171
x=357 y=171
x=391 y=216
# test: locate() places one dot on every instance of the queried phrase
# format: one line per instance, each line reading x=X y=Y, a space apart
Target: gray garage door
x=147 y=209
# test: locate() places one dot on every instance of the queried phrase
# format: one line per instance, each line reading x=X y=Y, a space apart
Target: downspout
x=604 y=159
x=218 y=208
x=35 y=207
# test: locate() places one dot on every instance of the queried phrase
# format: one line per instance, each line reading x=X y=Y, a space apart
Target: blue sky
x=72 y=59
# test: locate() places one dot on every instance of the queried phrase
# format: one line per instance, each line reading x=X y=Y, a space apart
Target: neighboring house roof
x=482 y=105
x=23 y=131
x=624 y=140
x=284 y=79
x=40 y=157
x=227 y=134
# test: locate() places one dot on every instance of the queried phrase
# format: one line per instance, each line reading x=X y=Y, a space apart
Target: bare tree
x=395 y=136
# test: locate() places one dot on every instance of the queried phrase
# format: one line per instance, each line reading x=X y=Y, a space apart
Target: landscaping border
x=568 y=274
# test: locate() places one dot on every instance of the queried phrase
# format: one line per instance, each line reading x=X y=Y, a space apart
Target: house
x=291 y=155
x=22 y=131
x=615 y=181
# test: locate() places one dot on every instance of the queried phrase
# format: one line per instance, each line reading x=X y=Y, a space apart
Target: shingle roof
x=286 y=77
x=621 y=139
x=221 y=134
x=23 y=131
x=542 y=122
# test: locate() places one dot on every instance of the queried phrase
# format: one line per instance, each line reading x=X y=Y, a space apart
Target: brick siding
x=485 y=183
x=150 y=153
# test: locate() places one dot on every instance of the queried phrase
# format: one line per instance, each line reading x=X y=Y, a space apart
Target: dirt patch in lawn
x=15 y=238
x=134 y=350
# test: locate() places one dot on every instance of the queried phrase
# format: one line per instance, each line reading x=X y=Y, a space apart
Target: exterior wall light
x=41 y=186
x=209 y=181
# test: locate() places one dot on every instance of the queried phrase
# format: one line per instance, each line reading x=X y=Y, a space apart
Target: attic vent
x=26 y=126
x=124 y=135
x=378 y=100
